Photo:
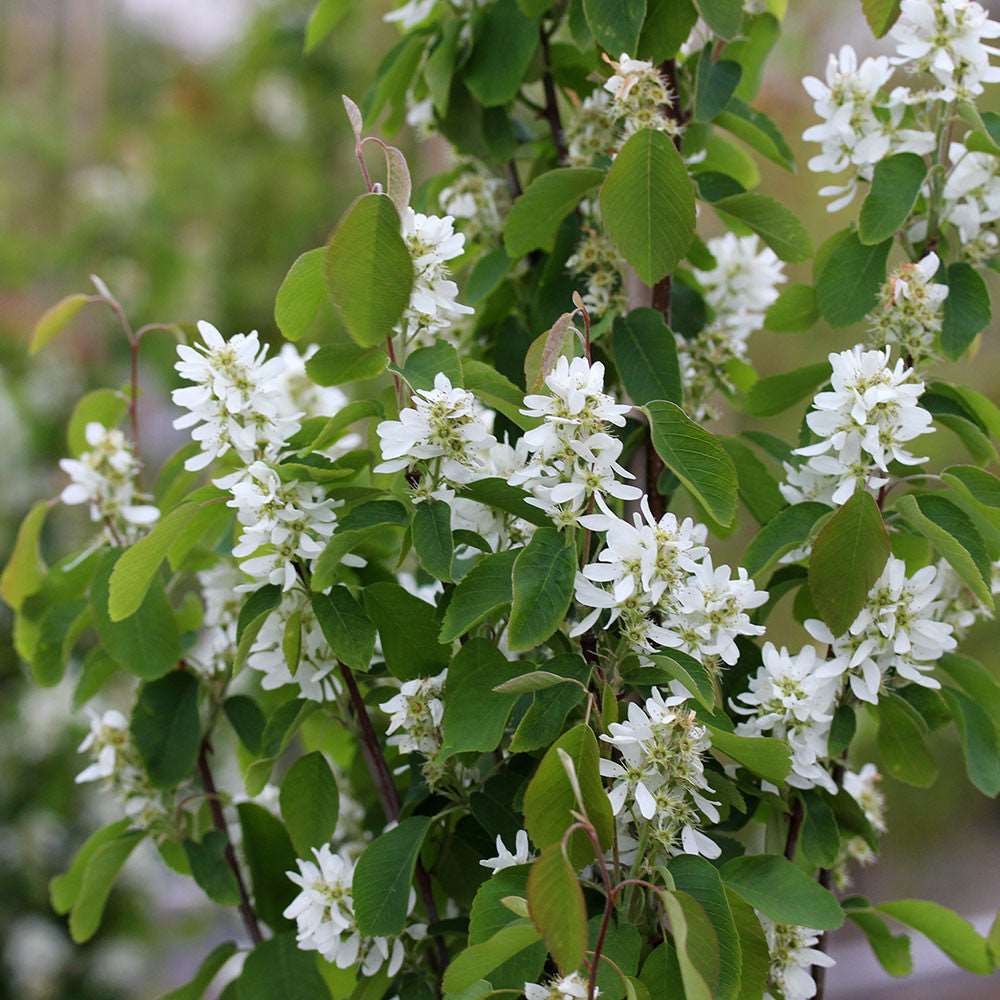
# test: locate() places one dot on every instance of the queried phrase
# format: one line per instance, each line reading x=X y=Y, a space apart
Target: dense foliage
x=439 y=571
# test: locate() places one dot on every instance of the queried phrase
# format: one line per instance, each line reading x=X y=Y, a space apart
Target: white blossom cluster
x=658 y=581
x=592 y=130
x=659 y=787
x=571 y=987
x=213 y=650
x=104 y=477
x=478 y=200
x=909 y=315
x=863 y=787
x=738 y=290
x=793 y=953
x=324 y=914
x=415 y=715
x=434 y=306
x=971 y=202
x=640 y=97
x=116 y=763
x=601 y=267
x=863 y=423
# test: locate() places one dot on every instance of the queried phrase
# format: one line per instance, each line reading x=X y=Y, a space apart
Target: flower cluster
x=863 y=423
x=324 y=914
x=592 y=131
x=116 y=763
x=213 y=650
x=971 y=202
x=657 y=579
x=415 y=715
x=738 y=290
x=571 y=987
x=434 y=306
x=863 y=787
x=793 y=953
x=659 y=785
x=596 y=261
x=478 y=200
x=640 y=97
x=104 y=478
x=572 y=459
x=790 y=698
x=908 y=318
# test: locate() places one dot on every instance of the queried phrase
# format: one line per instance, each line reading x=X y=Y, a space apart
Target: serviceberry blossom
x=573 y=458
x=444 y=431
x=213 y=650
x=738 y=289
x=314 y=673
x=897 y=634
x=659 y=779
x=478 y=200
x=946 y=38
x=640 y=97
x=908 y=318
x=956 y=604
x=789 y=699
x=863 y=787
x=971 y=202
x=104 y=478
x=236 y=400
x=324 y=914
x=521 y=854
x=434 y=306
x=571 y=987
x=300 y=396
x=592 y=131
x=865 y=421
x=793 y=953
x=410 y=14
x=598 y=262
x=415 y=715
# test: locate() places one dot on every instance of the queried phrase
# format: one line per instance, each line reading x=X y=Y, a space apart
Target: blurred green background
x=187 y=151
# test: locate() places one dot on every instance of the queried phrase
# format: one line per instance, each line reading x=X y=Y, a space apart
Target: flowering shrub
x=443 y=581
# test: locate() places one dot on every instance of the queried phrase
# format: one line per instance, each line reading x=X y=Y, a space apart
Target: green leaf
x=956 y=937
x=269 y=854
x=432 y=541
x=549 y=797
x=486 y=275
x=615 y=24
x=346 y=627
x=422 y=366
x=622 y=945
x=902 y=742
x=535 y=217
x=497 y=391
x=106 y=407
x=881 y=15
x=848 y=556
x=475 y=715
x=645 y=354
x=97 y=668
x=58 y=630
x=302 y=293
x=439 y=69
x=546 y=715
x=753 y=946
x=820 y=837
x=667 y=27
x=777 y=393
x=480 y=960
x=505 y=45
x=695 y=942
x=681 y=667
x=210 y=966
x=849 y=276
x=758 y=489
x=715 y=84
x=895 y=188
x=310 y=803
x=338 y=364
x=794 y=311
x=696 y=457
x=724 y=17
x=542 y=587
x=25 y=569
x=486 y=587
x=948 y=528
x=782 y=891
x=96 y=881
x=757 y=131
x=55 y=319
x=383 y=876
x=966 y=309
x=975 y=680
x=510 y=499
x=369 y=272
x=787 y=530
x=210 y=869
x=765 y=756
x=247 y=719
x=166 y=728
x=979 y=742
x=279 y=968
x=775 y=224
x=64 y=888
x=408 y=628
x=891 y=950
x=555 y=901
x=647 y=203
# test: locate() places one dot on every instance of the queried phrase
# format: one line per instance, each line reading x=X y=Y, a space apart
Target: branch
x=551 y=99
x=219 y=820
x=794 y=828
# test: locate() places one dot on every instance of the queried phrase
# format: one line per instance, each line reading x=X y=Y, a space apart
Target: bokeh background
x=187 y=151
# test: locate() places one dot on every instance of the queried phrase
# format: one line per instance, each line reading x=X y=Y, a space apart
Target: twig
x=219 y=820
x=794 y=828
x=551 y=99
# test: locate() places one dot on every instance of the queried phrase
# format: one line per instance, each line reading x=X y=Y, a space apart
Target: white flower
x=415 y=715
x=597 y=259
x=216 y=642
x=478 y=200
x=571 y=987
x=410 y=14
x=972 y=201
x=863 y=787
x=104 y=477
x=506 y=859
x=911 y=310
x=300 y=396
x=640 y=96
x=324 y=914
x=592 y=130
x=236 y=400
x=793 y=953
x=443 y=429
